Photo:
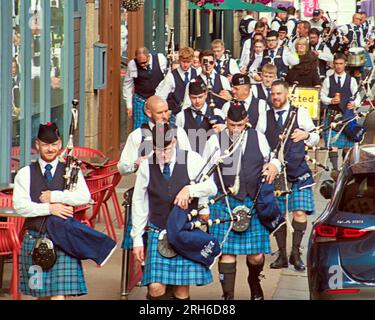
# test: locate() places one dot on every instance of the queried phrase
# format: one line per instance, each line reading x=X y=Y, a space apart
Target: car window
x=359 y=195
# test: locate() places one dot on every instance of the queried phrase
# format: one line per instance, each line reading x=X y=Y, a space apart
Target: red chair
x=15 y=153
x=10 y=245
x=113 y=180
x=99 y=187
x=18 y=222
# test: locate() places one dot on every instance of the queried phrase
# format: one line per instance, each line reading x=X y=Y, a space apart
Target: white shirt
x=132 y=72
x=252 y=24
x=289 y=58
x=25 y=207
x=291 y=23
x=254 y=90
x=275 y=25
x=303 y=119
x=140 y=204
x=318 y=25
x=213 y=143
x=245 y=55
x=325 y=54
x=262 y=107
x=224 y=81
x=325 y=89
x=345 y=30
x=180 y=117
x=130 y=153
x=168 y=85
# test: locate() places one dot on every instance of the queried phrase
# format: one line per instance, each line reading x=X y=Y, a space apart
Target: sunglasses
x=208 y=62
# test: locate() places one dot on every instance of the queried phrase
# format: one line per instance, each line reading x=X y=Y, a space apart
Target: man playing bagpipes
x=163 y=181
x=287 y=130
x=245 y=157
x=337 y=95
x=39 y=196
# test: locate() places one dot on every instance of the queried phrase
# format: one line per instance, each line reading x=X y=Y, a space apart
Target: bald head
x=157 y=109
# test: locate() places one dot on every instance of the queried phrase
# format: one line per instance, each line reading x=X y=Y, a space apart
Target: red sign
x=309 y=6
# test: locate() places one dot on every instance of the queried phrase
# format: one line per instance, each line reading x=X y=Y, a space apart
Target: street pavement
x=105 y=283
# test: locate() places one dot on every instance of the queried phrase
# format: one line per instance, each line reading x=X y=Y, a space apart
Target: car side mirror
x=327 y=188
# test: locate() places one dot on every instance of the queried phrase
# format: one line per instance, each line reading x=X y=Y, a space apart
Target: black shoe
x=281 y=261
x=228 y=297
x=296 y=261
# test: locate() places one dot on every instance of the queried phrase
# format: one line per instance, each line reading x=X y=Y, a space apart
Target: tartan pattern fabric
x=341 y=143
x=127 y=243
x=172 y=271
x=139 y=116
x=252 y=241
x=65 y=278
x=302 y=200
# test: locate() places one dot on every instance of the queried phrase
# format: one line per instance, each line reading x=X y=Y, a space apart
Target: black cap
x=237 y=112
x=283 y=28
x=316 y=13
x=162 y=135
x=48 y=133
x=240 y=79
x=197 y=87
x=272 y=33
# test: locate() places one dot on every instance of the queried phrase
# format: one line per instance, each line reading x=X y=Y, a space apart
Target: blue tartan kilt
x=64 y=278
x=127 y=243
x=302 y=200
x=172 y=271
x=254 y=240
x=342 y=141
x=139 y=116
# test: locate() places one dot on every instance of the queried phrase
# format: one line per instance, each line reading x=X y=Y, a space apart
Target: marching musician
x=172 y=88
x=292 y=22
x=365 y=25
x=321 y=51
x=256 y=58
x=316 y=21
x=139 y=147
x=162 y=182
x=217 y=83
x=336 y=94
x=223 y=65
x=243 y=95
x=280 y=19
x=247 y=162
x=283 y=36
x=353 y=33
x=262 y=90
x=248 y=48
x=301 y=200
x=282 y=58
x=143 y=76
x=195 y=120
x=38 y=193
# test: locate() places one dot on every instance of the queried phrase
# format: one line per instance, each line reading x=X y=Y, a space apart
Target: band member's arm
x=245 y=54
x=326 y=54
x=186 y=102
x=22 y=202
x=128 y=86
x=183 y=140
x=353 y=89
x=289 y=58
x=275 y=26
x=211 y=144
x=290 y=27
x=180 y=119
x=165 y=87
x=81 y=195
x=226 y=84
x=324 y=92
x=127 y=163
x=266 y=152
x=225 y=109
x=305 y=123
x=140 y=204
x=233 y=67
x=163 y=62
x=201 y=190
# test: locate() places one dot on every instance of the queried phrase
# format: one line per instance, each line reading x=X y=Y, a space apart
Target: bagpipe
x=73 y=237
x=171 y=52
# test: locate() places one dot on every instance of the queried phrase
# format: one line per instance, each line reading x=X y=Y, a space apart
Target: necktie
x=167 y=171
x=280 y=118
x=198 y=119
x=186 y=81
x=268 y=95
x=218 y=66
x=48 y=173
x=149 y=71
x=339 y=81
x=272 y=54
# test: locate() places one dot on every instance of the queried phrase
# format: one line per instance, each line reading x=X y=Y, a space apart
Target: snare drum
x=356 y=57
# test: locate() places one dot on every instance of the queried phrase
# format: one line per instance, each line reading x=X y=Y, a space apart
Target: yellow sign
x=308 y=97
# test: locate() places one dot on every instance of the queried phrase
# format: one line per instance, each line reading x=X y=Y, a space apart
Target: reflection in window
x=359 y=195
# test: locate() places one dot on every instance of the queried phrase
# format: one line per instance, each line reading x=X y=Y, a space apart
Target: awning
x=235 y=5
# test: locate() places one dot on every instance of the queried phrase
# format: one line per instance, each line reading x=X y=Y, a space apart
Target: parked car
x=341 y=250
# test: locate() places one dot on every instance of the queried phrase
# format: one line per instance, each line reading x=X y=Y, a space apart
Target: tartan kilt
x=139 y=116
x=302 y=200
x=127 y=243
x=172 y=271
x=342 y=141
x=64 y=278
x=252 y=241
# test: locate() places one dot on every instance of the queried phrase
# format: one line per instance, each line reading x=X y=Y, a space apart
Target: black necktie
x=48 y=173
x=280 y=118
x=339 y=81
x=186 y=81
x=167 y=171
x=218 y=66
x=272 y=54
x=198 y=119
